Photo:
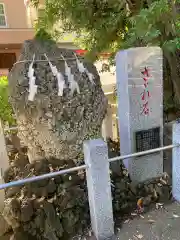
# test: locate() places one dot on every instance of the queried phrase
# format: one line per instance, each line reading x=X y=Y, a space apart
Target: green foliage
x=6 y=112
x=103 y=25
x=41 y=34
x=111 y=25
x=168 y=102
x=97 y=26
x=156 y=25
x=40 y=26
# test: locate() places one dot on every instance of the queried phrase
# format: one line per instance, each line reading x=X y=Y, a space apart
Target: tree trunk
x=174 y=64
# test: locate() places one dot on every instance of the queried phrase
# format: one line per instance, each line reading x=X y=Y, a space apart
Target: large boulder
x=53 y=125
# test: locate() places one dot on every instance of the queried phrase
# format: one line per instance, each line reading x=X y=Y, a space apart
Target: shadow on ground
x=158 y=224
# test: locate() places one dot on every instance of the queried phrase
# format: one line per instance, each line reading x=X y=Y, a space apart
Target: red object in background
x=82 y=52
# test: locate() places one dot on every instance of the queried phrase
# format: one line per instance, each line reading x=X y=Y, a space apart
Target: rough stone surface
x=52 y=125
x=127 y=193
x=19 y=234
x=46 y=209
x=4 y=226
x=60 y=205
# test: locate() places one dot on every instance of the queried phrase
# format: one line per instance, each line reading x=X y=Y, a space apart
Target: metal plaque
x=147 y=139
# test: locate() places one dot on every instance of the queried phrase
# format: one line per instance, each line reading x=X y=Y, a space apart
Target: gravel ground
x=158 y=224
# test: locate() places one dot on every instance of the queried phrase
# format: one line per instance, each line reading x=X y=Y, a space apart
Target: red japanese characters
x=145 y=95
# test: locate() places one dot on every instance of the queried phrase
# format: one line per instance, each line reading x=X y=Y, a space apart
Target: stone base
x=146 y=167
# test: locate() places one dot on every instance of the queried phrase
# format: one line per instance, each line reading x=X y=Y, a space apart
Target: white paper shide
x=59 y=76
x=82 y=69
x=73 y=85
x=32 y=79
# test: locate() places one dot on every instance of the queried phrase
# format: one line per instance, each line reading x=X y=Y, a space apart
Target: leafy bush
x=6 y=111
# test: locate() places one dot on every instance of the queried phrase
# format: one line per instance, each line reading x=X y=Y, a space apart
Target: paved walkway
x=158 y=224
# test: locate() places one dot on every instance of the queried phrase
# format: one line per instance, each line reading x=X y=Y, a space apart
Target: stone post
x=140 y=109
x=176 y=162
x=99 y=188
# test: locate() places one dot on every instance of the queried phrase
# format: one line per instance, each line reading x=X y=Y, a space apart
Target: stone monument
x=58 y=100
x=140 y=109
